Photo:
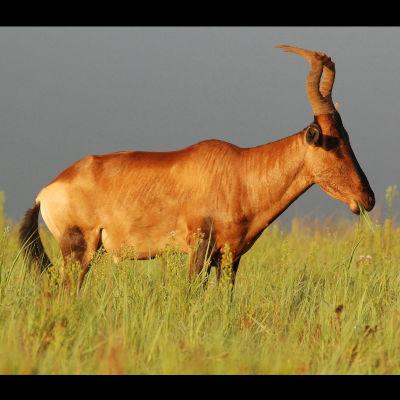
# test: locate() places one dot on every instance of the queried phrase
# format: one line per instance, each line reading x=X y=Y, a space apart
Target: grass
x=308 y=300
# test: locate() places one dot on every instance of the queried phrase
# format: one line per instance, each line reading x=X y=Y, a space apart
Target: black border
x=201 y=386
x=268 y=13
x=319 y=385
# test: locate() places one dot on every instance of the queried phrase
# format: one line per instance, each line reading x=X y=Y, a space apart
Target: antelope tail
x=30 y=239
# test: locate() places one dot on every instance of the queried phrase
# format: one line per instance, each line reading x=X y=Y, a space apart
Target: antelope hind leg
x=80 y=245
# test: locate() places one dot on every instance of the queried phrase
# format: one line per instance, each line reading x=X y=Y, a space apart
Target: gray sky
x=69 y=92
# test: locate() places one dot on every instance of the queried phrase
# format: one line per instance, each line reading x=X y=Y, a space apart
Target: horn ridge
x=318 y=93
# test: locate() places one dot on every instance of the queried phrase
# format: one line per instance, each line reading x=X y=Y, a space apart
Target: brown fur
x=142 y=201
x=73 y=244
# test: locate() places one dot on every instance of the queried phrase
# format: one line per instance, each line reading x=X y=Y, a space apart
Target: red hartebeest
x=231 y=194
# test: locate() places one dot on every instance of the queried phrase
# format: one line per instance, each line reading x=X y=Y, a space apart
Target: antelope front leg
x=198 y=260
x=234 y=268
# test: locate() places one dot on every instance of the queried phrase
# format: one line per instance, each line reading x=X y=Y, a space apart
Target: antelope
x=143 y=200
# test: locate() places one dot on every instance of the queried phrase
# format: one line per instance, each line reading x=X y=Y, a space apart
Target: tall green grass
x=311 y=299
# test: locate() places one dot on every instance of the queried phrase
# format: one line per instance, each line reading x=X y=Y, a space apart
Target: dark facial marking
x=330 y=142
x=314 y=135
x=339 y=126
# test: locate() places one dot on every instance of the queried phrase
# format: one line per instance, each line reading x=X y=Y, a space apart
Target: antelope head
x=329 y=158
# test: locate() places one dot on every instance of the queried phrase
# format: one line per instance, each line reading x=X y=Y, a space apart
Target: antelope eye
x=313 y=134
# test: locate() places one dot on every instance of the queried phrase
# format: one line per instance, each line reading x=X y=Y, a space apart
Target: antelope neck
x=275 y=177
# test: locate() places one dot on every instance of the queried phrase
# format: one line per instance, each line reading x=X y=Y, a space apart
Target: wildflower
x=339 y=309
x=364 y=259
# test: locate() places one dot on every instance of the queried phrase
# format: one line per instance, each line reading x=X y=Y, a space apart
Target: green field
x=319 y=298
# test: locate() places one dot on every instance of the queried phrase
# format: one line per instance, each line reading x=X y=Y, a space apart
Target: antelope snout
x=367 y=199
x=370 y=202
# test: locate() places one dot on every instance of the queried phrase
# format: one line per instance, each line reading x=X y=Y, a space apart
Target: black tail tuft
x=30 y=239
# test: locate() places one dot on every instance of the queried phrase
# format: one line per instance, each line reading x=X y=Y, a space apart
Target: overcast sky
x=69 y=92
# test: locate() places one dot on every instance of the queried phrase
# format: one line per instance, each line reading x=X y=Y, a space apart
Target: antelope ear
x=313 y=134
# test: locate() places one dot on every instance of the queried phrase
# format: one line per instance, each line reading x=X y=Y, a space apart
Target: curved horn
x=320 y=101
x=328 y=78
